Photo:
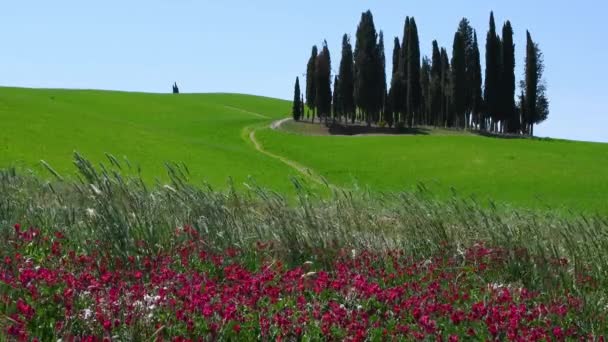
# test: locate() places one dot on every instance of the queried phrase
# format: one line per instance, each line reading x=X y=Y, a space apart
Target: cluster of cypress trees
x=440 y=91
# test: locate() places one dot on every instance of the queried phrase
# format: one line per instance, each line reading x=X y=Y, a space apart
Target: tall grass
x=111 y=204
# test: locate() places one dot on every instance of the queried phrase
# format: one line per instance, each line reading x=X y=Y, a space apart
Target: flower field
x=51 y=292
x=109 y=257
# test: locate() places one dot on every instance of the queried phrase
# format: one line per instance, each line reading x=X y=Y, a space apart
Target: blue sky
x=259 y=47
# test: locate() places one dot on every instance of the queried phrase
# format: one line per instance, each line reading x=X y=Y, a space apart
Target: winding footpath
x=307 y=172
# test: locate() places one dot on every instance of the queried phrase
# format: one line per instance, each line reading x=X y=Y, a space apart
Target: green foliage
x=436 y=86
x=459 y=82
x=347 y=79
x=510 y=116
x=367 y=96
x=323 y=83
x=425 y=87
x=311 y=89
x=476 y=83
x=536 y=102
x=413 y=98
x=297 y=106
x=492 y=79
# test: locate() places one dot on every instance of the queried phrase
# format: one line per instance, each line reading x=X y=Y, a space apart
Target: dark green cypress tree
x=492 y=79
x=399 y=84
x=466 y=32
x=536 y=102
x=302 y=106
x=347 y=80
x=336 y=105
x=366 y=74
x=311 y=89
x=381 y=76
x=425 y=86
x=446 y=87
x=436 y=85
x=297 y=107
x=459 y=82
x=510 y=115
x=323 y=83
x=476 y=84
x=396 y=56
x=413 y=74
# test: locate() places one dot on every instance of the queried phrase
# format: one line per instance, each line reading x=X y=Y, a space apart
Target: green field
x=203 y=131
x=525 y=172
x=210 y=134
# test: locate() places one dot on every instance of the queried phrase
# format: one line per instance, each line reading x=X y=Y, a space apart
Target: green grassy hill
x=203 y=131
x=529 y=172
x=210 y=134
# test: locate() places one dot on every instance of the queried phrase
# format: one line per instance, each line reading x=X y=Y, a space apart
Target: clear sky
x=259 y=47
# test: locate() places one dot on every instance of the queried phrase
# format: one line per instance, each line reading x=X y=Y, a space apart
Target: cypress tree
x=425 y=86
x=476 y=83
x=491 y=91
x=394 y=95
x=413 y=74
x=381 y=75
x=366 y=74
x=336 y=103
x=399 y=84
x=302 y=106
x=436 y=85
x=323 y=83
x=459 y=82
x=467 y=32
x=297 y=107
x=347 y=80
x=446 y=88
x=536 y=107
x=511 y=118
x=396 y=56
x=311 y=89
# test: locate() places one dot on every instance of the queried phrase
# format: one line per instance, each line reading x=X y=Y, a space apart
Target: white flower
x=87 y=313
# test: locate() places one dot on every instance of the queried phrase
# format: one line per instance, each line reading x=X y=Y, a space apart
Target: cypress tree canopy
x=347 y=78
x=323 y=82
x=507 y=88
x=366 y=74
x=297 y=106
x=311 y=89
x=413 y=72
x=459 y=81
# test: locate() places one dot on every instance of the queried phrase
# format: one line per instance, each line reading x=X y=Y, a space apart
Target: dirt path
x=307 y=172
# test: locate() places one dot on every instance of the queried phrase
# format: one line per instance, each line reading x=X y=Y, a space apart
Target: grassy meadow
x=94 y=248
x=536 y=173
x=203 y=131
x=209 y=133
